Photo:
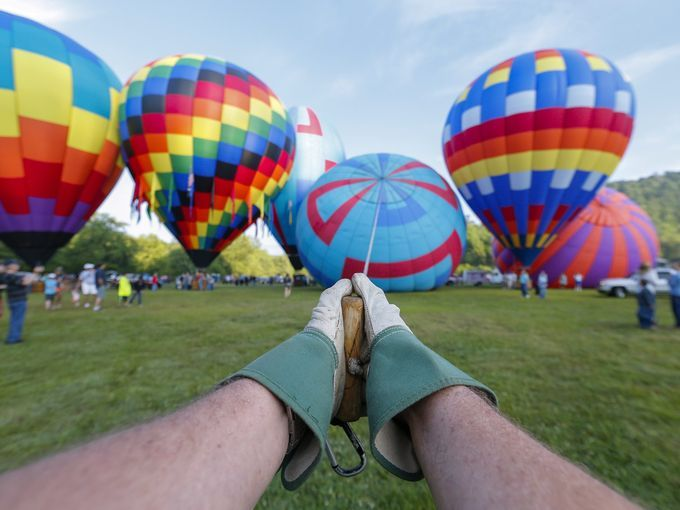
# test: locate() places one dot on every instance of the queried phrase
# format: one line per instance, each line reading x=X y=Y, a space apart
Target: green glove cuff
x=299 y=372
x=402 y=372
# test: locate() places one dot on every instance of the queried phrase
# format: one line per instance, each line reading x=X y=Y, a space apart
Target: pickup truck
x=621 y=287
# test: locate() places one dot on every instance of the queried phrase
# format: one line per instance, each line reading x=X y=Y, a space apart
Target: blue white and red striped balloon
x=389 y=216
x=318 y=148
x=532 y=139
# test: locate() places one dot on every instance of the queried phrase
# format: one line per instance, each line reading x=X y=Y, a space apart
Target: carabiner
x=358 y=447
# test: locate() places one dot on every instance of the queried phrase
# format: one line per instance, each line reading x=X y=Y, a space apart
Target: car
x=474 y=277
x=495 y=277
x=622 y=287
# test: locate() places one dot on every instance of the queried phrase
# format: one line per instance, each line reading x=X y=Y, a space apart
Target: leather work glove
x=401 y=371
x=307 y=373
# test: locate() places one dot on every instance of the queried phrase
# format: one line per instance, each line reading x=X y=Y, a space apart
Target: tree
x=102 y=240
x=478 y=250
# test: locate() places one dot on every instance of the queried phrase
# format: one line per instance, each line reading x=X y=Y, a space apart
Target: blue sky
x=385 y=72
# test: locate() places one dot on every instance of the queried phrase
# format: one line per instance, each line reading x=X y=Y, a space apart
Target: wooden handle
x=353 y=318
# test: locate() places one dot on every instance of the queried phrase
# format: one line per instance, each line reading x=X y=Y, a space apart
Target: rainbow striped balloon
x=609 y=239
x=530 y=142
x=59 y=143
x=208 y=145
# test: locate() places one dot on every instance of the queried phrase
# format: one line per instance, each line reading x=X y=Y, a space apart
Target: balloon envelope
x=387 y=215
x=208 y=144
x=317 y=149
x=58 y=137
x=530 y=142
x=610 y=238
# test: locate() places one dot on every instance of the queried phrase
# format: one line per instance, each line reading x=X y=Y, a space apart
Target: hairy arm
x=473 y=457
x=220 y=452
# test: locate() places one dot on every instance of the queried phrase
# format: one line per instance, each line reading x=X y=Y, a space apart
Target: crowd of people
x=526 y=284
x=646 y=295
x=89 y=287
x=196 y=281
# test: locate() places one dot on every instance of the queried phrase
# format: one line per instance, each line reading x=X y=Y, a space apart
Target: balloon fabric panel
x=384 y=214
x=610 y=238
x=58 y=137
x=318 y=148
x=208 y=145
x=530 y=142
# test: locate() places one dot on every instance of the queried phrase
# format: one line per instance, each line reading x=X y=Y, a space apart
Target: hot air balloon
x=208 y=145
x=58 y=137
x=386 y=215
x=530 y=142
x=317 y=149
x=610 y=238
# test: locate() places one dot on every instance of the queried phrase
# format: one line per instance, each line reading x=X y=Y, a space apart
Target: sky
x=384 y=73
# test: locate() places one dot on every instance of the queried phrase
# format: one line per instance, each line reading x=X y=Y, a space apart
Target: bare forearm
x=220 y=452
x=472 y=457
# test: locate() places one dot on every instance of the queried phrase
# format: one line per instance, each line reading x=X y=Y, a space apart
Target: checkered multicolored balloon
x=208 y=144
x=610 y=238
x=58 y=137
x=388 y=216
x=531 y=140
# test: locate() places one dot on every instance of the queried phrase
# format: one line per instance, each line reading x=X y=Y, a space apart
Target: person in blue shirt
x=675 y=293
x=51 y=288
x=646 y=304
x=18 y=287
x=524 y=283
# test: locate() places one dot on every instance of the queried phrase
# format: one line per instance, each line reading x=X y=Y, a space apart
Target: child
x=51 y=289
x=542 y=284
x=124 y=290
x=646 y=304
x=138 y=286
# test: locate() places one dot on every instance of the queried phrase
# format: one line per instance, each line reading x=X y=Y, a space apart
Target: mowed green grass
x=574 y=371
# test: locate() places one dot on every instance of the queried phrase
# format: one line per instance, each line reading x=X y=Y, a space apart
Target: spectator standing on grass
x=137 y=286
x=524 y=283
x=675 y=293
x=88 y=285
x=51 y=290
x=646 y=304
x=100 y=279
x=564 y=281
x=124 y=290
x=578 y=282
x=75 y=292
x=543 y=284
x=154 y=282
x=18 y=287
x=59 y=275
x=287 y=286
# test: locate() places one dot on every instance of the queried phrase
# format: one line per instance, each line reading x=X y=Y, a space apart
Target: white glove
x=379 y=314
x=327 y=319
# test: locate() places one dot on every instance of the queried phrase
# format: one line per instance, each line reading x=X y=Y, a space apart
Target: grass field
x=573 y=370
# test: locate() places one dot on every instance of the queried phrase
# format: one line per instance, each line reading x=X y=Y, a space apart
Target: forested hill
x=659 y=195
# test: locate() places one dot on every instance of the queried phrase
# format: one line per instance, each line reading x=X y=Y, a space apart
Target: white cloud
x=643 y=62
x=418 y=12
x=49 y=12
x=343 y=86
